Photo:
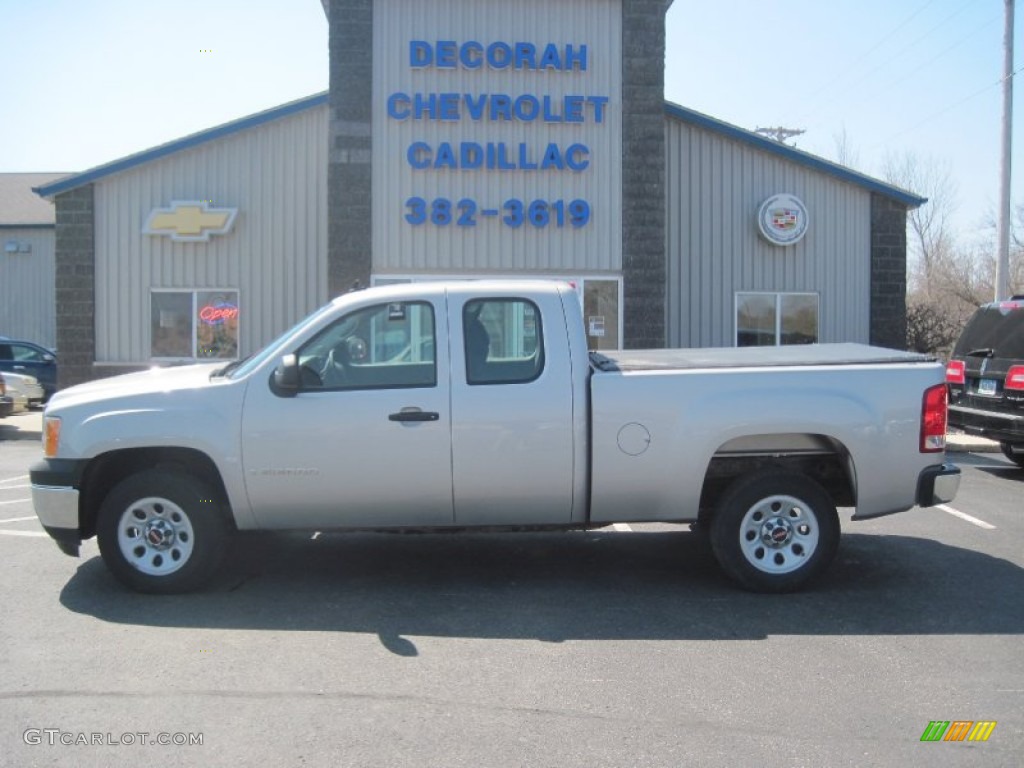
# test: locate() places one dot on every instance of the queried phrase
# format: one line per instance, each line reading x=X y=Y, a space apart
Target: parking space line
x=621 y=527
x=14 y=501
x=963 y=516
x=18 y=519
x=12 y=487
x=23 y=533
x=12 y=479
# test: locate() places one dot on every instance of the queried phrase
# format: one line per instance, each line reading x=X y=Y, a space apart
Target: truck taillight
x=955 y=372
x=933 y=420
x=1015 y=378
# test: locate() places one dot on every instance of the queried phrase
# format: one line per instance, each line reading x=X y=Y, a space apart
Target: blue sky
x=84 y=83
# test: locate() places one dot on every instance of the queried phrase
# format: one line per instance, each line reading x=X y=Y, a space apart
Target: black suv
x=986 y=376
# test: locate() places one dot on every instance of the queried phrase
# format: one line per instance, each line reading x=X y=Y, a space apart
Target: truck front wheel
x=162 y=531
x=774 y=530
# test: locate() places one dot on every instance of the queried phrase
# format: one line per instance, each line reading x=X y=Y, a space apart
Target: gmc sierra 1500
x=477 y=405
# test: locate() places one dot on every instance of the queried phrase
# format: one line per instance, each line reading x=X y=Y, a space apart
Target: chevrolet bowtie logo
x=190 y=221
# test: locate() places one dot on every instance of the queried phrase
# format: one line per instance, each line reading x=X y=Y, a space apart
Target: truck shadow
x=1008 y=472
x=561 y=586
x=16 y=432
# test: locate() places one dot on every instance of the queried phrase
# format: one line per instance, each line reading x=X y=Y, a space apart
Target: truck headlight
x=51 y=435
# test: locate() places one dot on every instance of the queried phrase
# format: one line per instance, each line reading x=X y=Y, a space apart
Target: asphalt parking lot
x=615 y=648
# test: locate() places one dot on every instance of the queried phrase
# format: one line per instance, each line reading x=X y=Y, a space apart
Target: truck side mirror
x=285 y=381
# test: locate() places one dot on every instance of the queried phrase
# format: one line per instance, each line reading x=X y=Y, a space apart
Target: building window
x=503 y=341
x=188 y=325
x=772 y=319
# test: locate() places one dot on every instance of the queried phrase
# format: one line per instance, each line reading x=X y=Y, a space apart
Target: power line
x=942 y=53
x=870 y=50
x=944 y=110
x=886 y=62
x=876 y=91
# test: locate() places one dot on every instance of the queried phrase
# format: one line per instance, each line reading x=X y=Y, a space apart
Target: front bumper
x=55 y=499
x=938 y=485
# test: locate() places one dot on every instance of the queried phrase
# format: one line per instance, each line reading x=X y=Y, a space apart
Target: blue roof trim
x=794 y=155
x=101 y=171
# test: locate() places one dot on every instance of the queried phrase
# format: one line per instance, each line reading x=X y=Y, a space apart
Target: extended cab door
x=366 y=442
x=512 y=408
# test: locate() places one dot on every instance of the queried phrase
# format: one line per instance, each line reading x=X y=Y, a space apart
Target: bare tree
x=846 y=153
x=930 y=239
x=947 y=280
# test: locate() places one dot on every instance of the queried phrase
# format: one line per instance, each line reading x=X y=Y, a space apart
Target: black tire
x=162 y=531
x=1018 y=458
x=774 y=530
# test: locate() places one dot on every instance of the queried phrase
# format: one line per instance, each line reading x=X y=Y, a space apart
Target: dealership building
x=27 y=261
x=469 y=138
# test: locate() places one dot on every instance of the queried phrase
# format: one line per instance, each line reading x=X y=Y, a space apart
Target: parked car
x=985 y=375
x=26 y=357
x=26 y=391
x=6 y=403
x=501 y=420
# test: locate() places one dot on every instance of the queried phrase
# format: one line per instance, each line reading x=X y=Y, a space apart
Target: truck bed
x=751 y=357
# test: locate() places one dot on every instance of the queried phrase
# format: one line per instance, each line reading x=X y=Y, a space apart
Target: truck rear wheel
x=162 y=531
x=774 y=530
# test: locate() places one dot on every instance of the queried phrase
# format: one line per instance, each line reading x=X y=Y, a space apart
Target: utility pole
x=781 y=134
x=1002 y=287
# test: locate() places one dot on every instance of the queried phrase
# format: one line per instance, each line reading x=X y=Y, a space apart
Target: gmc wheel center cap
x=159 y=534
x=776 y=532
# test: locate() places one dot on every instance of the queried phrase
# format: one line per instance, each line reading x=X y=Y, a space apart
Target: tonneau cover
x=752 y=357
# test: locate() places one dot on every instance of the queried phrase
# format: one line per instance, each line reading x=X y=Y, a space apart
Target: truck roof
x=483 y=286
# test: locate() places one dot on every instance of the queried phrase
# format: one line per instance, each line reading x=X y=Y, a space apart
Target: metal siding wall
x=399 y=246
x=27 y=291
x=275 y=255
x=714 y=189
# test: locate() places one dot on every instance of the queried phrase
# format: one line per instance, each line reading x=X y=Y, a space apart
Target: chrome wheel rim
x=155 y=536
x=779 y=534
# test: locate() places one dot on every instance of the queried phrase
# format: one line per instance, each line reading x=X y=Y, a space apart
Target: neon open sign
x=216 y=314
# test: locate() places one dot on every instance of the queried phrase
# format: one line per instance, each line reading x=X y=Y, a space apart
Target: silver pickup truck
x=476 y=405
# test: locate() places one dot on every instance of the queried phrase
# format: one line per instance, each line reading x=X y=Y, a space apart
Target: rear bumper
x=55 y=499
x=995 y=425
x=938 y=485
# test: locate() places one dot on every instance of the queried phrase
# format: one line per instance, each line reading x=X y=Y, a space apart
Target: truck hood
x=152 y=382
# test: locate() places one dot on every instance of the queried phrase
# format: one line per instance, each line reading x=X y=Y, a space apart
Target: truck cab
x=467 y=398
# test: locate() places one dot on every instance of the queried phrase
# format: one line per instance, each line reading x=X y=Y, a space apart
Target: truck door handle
x=414 y=415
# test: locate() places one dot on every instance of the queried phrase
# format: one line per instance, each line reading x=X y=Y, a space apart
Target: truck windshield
x=255 y=361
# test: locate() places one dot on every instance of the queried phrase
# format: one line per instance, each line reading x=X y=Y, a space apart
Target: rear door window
x=503 y=341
